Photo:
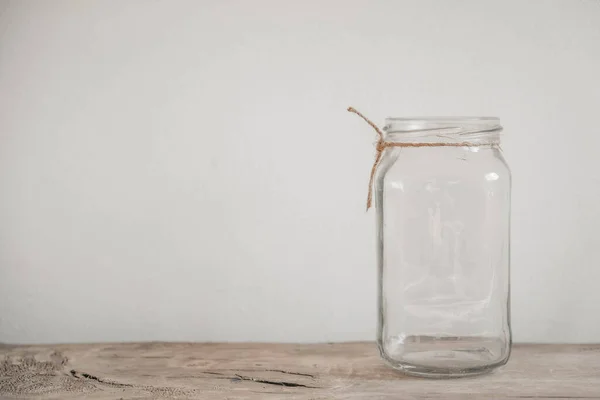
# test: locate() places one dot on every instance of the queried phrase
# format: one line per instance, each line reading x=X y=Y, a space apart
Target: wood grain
x=275 y=371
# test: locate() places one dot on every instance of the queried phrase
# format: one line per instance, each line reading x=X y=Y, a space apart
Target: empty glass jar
x=442 y=194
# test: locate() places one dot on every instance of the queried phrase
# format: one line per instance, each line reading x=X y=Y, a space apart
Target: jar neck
x=474 y=131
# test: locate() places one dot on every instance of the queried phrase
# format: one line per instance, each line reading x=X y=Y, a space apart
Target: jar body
x=443 y=254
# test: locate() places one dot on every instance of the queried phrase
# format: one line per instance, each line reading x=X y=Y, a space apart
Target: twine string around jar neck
x=382 y=144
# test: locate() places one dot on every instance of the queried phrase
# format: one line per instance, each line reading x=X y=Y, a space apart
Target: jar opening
x=476 y=130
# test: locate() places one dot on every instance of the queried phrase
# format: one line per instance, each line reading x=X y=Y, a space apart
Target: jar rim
x=444 y=118
x=410 y=124
x=455 y=128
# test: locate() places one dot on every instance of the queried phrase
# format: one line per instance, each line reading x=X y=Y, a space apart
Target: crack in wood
x=290 y=373
x=278 y=383
x=264 y=370
x=79 y=375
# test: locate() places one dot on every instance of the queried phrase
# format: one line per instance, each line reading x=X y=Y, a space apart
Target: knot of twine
x=382 y=145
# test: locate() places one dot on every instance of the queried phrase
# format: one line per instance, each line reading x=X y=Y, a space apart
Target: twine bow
x=382 y=145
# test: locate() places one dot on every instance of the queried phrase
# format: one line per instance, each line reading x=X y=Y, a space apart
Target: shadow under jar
x=443 y=213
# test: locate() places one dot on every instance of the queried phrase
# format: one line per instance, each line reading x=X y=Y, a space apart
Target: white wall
x=186 y=170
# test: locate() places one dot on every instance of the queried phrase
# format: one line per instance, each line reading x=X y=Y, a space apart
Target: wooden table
x=279 y=371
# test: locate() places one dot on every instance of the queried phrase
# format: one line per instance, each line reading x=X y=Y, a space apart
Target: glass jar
x=442 y=193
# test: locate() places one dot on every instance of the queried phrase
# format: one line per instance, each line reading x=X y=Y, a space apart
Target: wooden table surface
x=279 y=371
